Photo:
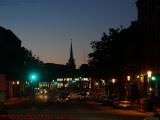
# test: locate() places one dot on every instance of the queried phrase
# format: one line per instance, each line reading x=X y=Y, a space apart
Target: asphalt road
x=44 y=108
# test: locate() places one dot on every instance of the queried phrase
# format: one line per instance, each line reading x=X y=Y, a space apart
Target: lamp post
x=128 y=80
x=149 y=88
x=113 y=82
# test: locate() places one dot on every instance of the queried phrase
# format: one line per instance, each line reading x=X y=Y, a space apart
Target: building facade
x=149 y=31
x=65 y=76
x=11 y=62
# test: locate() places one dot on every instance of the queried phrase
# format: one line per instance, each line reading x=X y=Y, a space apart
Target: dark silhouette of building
x=11 y=53
x=54 y=71
x=11 y=62
x=149 y=31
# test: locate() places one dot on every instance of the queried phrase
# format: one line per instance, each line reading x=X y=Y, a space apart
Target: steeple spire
x=71 y=62
x=71 y=51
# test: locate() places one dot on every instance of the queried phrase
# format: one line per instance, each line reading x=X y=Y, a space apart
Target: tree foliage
x=31 y=63
x=102 y=55
x=117 y=52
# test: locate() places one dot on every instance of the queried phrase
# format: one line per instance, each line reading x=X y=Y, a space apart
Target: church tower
x=71 y=61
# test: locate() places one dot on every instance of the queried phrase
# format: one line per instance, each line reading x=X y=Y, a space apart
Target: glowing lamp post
x=149 y=75
x=113 y=85
x=128 y=78
x=113 y=80
x=17 y=82
x=128 y=86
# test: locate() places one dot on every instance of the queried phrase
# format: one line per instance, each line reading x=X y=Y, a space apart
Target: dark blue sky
x=46 y=26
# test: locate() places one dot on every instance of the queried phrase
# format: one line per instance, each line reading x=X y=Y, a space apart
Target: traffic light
x=33 y=77
x=153 y=78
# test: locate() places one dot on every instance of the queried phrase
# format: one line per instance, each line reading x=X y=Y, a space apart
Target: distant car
x=63 y=98
x=43 y=91
x=156 y=116
x=102 y=98
x=97 y=97
x=122 y=104
x=111 y=99
x=83 y=96
x=83 y=93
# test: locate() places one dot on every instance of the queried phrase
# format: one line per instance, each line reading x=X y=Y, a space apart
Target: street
x=41 y=107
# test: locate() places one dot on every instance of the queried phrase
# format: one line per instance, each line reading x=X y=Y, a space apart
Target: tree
x=101 y=59
x=31 y=64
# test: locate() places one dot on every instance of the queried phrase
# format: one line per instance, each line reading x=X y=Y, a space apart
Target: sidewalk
x=112 y=110
x=141 y=109
x=15 y=100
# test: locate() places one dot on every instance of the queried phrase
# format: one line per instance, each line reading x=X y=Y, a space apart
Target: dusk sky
x=46 y=26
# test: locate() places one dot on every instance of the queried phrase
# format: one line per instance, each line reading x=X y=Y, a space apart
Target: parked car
x=104 y=99
x=109 y=100
x=122 y=104
x=83 y=93
x=156 y=116
x=97 y=97
x=101 y=98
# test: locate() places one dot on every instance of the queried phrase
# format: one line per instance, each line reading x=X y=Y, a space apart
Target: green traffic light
x=153 y=78
x=33 y=77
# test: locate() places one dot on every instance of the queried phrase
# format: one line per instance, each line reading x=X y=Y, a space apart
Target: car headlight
x=45 y=91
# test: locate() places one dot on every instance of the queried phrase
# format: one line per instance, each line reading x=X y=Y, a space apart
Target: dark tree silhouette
x=102 y=55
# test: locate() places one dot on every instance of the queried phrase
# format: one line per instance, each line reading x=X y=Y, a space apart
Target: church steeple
x=71 y=51
x=71 y=61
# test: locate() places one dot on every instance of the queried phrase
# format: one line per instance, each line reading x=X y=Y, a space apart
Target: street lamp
x=17 y=82
x=114 y=86
x=150 y=89
x=128 y=78
x=149 y=73
x=128 y=86
x=113 y=80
